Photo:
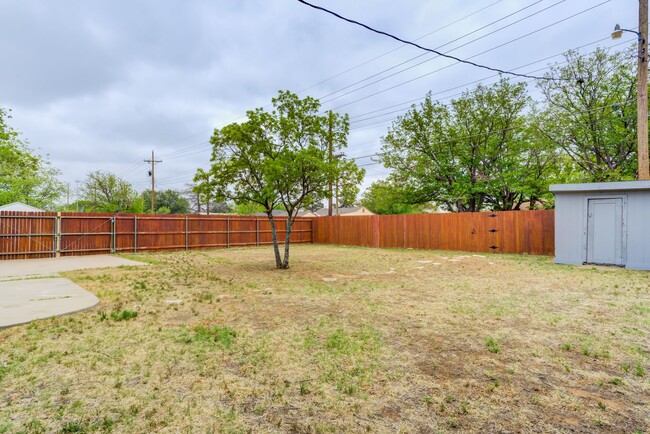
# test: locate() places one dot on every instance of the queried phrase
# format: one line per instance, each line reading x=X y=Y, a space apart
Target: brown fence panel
x=27 y=235
x=529 y=232
x=85 y=233
x=35 y=235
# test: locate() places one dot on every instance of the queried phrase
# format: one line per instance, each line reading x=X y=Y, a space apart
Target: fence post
x=227 y=232
x=57 y=235
x=257 y=231
x=375 y=231
x=113 y=236
x=186 y=234
x=135 y=234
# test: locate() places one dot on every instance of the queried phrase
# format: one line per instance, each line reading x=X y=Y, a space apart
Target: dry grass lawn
x=347 y=340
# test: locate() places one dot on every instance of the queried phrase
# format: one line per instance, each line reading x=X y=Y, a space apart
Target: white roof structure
x=19 y=206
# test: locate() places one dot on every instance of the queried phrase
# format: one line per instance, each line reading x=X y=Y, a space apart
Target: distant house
x=276 y=213
x=19 y=206
x=345 y=211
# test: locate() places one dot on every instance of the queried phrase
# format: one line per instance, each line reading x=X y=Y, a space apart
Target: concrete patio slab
x=22 y=301
x=21 y=268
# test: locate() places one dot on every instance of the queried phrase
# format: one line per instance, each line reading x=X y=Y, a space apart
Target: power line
x=471 y=57
x=204 y=144
x=398 y=48
x=444 y=45
x=458 y=59
x=485 y=78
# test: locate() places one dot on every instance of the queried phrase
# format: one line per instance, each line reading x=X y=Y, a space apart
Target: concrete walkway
x=21 y=268
x=22 y=301
x=30 y=288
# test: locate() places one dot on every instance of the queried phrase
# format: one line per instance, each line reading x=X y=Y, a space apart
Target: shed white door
x=605 y=231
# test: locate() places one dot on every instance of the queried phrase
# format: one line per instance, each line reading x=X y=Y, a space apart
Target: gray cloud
x=96 y=84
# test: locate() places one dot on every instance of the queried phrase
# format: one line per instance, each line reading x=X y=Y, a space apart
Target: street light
x=618 y=33
x=643 y=173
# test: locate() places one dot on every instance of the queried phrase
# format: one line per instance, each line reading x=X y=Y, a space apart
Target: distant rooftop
x=19 y=206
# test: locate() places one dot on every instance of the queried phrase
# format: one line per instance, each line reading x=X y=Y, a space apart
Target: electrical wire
x=414 y=44
x=398 y=48
x=471 y=57
x=441 y=46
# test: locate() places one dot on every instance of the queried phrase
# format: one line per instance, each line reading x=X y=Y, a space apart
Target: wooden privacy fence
x=46 y=234
x=531 y=232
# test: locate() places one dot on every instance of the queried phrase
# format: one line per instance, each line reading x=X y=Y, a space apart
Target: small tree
x=384 y=197
x=172 y=201
x=279 y=158
x=106 y=192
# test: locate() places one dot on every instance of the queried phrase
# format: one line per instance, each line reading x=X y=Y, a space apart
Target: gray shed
x=603 y=223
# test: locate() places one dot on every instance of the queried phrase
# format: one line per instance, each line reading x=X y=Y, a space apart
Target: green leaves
x=106 y=192
x=593 y=120
x=474 y=154
x=25 y=176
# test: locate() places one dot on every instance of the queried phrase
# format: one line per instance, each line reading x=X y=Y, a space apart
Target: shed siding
x=569 y=233
x=638 y=230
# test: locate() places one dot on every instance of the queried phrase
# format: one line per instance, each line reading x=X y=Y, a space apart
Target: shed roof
x=19 y=206
x=600 y=186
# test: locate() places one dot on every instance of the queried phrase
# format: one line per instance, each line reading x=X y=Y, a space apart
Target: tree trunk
x=287 y=241
x=276 y=248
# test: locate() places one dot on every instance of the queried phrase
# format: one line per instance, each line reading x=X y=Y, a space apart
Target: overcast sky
x=97 y=84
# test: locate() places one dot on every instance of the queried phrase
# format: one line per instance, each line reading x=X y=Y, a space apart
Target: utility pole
x=331 y=151
x=153 y=162
x=642 y=93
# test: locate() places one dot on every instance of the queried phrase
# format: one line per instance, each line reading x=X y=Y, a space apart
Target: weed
x=492 y=345
x=73 y=427
x=453 y=422
x=616 y=381
x=428 y=401
x=567 y=347
x=222 y=336
x=124 y=315
x=602 y=405
x=35 y=426
x=463 y=409
x=639 y=370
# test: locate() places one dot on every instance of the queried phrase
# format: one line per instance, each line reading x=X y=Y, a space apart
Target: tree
x=197 y=206
x=591 y=113
x=279 y=158
x=105 y=192
x=383 y=197
x=345 y=186
x=475 y=154
x=171 y=200
x=24 y=175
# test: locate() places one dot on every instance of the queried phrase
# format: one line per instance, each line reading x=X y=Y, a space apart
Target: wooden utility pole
x=331 y=157
x=642 y=93
x=153 y=162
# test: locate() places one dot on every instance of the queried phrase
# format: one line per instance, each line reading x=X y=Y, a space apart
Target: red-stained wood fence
x=531 y=232
x=39 y=235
